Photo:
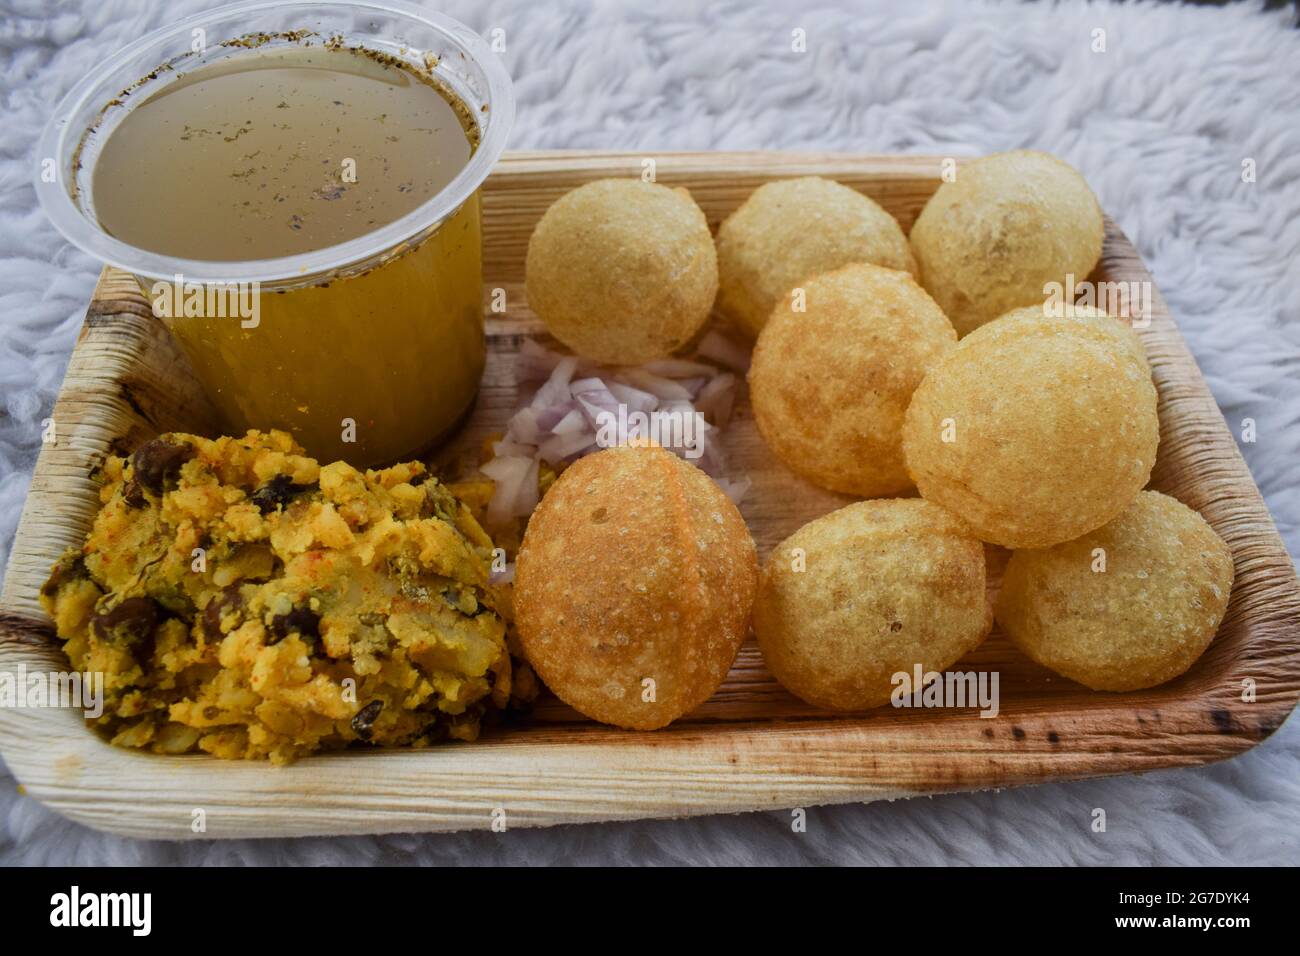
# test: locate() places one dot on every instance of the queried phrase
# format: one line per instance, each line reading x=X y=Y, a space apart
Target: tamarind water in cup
x=301 y=209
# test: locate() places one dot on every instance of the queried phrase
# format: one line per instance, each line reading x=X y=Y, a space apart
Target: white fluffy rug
x=1159 y=124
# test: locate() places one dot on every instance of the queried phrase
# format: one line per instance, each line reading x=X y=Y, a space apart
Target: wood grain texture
x=753 y=745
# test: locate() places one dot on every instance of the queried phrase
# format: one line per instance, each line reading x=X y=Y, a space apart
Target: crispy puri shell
x=989 y=241
x=1054 y=426
x=885 y=585
x=830 y=385
x=634 y=566
x=791 y=230
x=622 y=271
x=1142 y=621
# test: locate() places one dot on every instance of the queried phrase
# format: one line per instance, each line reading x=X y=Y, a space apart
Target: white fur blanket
x=1159 y=124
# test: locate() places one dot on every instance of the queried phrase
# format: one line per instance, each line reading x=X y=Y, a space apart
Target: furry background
x=1159 y=124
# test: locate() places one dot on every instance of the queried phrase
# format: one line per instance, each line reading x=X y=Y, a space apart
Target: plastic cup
x=370 y=350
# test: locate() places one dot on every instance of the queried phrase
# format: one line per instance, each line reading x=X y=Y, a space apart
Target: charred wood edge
x=21 y=629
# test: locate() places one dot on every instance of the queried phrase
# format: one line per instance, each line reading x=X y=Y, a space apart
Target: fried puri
x=1130 y=605
x=866 y=592
x=633 y=586
x=830 y=385
x=1010 y=223
x=791 y=230
x=1035 y=429
x=622 y=271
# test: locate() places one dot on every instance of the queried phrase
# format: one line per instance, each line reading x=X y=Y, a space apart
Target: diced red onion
x=717 y=399
x=556 y=388
x=663 y=388
x=559 y=447
x=574 y=421
x=570 y=412
x=548 y=418
x=524 y=427
x=516 y=486
x=635 y=399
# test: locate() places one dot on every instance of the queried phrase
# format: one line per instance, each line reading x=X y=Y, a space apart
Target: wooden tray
x=752 y=746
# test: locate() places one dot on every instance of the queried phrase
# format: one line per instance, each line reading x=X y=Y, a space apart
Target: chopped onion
x=717 y=399
x=556 y=389
x=596 y=405
x=516 y=487
x=574 y=421
x=723 y=350
x=663 y=388
x=559 y=447
x=548 y=418
x=635 y=399
x=524 y=427
x=565 y=416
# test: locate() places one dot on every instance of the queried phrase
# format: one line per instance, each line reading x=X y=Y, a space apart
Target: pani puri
x=866 y=592
x=1128 y=606
x=1035 y=429
x=622 y=271
x=830 y=385
x=791 y=230
x=1010 y=223
x=633 y=586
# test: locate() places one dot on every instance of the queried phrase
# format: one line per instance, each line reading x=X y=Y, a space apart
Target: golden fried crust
x=791 y=230
x=622 y=271
x=634 y=567
x=1141 y=621
x=830 y=385
x=866 y=592
x=989 y=241
x=1035 y=429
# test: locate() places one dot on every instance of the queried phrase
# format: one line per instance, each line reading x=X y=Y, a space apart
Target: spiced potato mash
x=242 y=599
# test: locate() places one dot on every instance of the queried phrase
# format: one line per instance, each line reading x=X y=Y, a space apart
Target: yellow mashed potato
x=241 y=599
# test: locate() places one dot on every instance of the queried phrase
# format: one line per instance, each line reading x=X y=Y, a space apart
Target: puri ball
x=1130 y=605
x=867 y=592
x=622 y=271
x=1035 y=429
x=989 y=241
x=791 y=230
x=830 y=385
x=633 y=586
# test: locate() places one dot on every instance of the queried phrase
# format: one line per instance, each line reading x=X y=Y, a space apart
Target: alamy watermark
x=1124 y=300
x=681 y=431
x=23 y=689
x=956 y=689
x=184 y=299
